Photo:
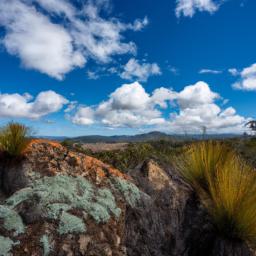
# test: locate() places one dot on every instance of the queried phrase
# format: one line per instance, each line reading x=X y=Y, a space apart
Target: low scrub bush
x=135 y=153
x=226 y=186
x=14 y=138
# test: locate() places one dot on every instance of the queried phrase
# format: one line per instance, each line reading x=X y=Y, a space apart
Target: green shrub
x=246 y=148
x=135 y=153
x=14 y=138
x=67 y=143
x=226 y=187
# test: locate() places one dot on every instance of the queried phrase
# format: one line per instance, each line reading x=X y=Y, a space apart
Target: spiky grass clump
x=226 y=187
x=14 y=138
x=233 y=200
x=200 y=161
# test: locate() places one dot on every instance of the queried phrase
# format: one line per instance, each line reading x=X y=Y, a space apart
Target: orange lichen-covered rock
x=51 y=158
x=62 y=203
x=38 y=141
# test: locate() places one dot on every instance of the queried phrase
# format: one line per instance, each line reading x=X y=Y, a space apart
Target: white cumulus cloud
x=55 y=37
x=83 y=116
x=188 y=8
x=21 y=106
x=39 y=43
x=198 y=108
x=195 y=95
x=233 y=71
x=139 y=71
x=247 y=80
x=189 y=110
x=128 y=106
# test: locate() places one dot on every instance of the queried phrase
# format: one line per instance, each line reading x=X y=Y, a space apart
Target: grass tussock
x=14 y=139
x=226 y=186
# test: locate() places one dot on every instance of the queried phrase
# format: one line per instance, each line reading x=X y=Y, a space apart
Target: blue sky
x=124 y=67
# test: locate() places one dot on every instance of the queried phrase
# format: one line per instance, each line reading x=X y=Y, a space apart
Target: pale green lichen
x=19 y=197
x=44 y=240
x=59 y=188
x=75 y=192
x=11 y=220
x=6 y=245
x=130 y=192
x=103 y=206
x=84 y=187
x=56 y=196
x=99 y=213
x=55 y=210
x=70 y=224
x=106 y=199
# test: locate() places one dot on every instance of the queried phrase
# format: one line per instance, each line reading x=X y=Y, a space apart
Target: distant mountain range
x=151 y=136
x=124 y=138
x=56 y=138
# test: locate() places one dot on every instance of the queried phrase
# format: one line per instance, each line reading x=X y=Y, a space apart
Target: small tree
x=252 y=126
x=14 y=138
x=67 y=143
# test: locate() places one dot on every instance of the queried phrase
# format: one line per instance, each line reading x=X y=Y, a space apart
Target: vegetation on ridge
x=135 y=153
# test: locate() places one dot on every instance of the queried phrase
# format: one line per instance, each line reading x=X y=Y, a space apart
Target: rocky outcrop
x=63 y=203
x=66 y=203
x=173 y=222
x=155 y=175
x=47 y=158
